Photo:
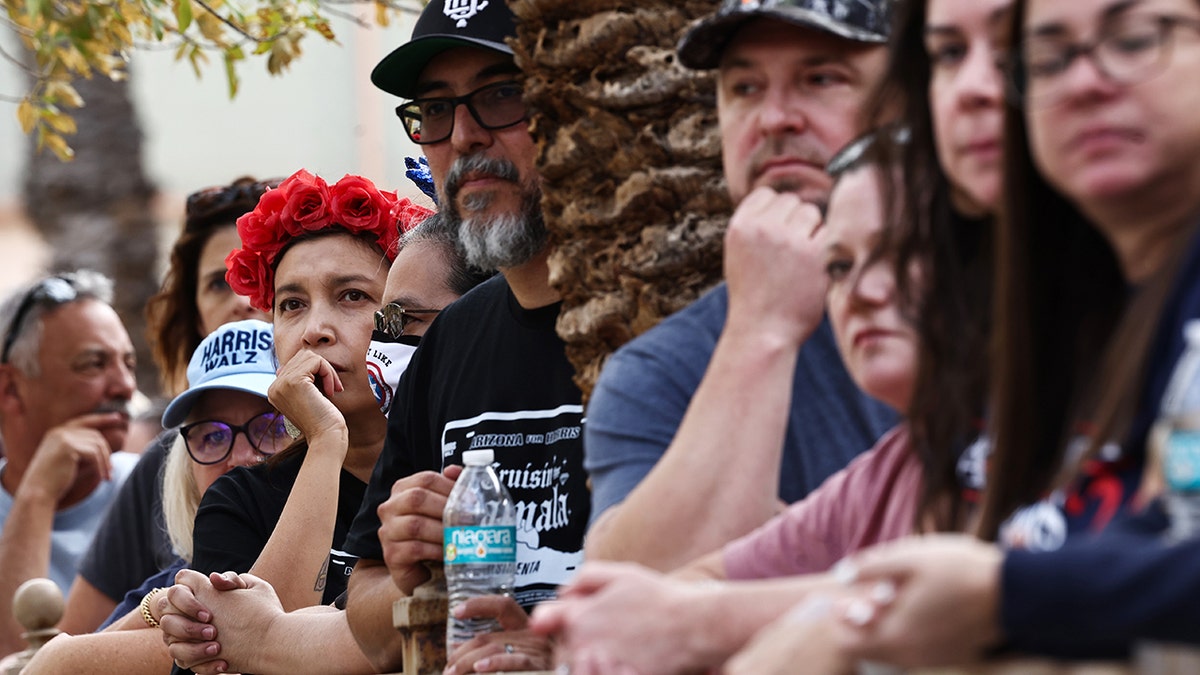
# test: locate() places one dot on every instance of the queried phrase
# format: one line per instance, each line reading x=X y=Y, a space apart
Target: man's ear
x=12 y=399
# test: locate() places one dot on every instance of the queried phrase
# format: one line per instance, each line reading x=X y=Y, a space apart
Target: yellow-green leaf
x=183 y=14
x=63 y=93
x=61 y=122
x=231 y=74
x=27 y=115
x=211 y=27
x=58 y=145
x=323 y=28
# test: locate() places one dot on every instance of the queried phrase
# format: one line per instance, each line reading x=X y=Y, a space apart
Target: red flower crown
x=305 y=203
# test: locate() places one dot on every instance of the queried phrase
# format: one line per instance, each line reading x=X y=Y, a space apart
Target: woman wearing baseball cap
x=225 y=422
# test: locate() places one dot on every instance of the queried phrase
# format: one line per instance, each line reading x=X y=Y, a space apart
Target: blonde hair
x=180 y=498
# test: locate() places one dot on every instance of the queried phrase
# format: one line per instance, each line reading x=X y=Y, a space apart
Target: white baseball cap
x=238 y=356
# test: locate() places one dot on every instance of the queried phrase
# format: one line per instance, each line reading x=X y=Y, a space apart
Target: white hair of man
x=21 y=313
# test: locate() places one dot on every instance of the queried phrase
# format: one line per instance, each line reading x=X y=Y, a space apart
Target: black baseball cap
x=444 y=24
x=866 y=21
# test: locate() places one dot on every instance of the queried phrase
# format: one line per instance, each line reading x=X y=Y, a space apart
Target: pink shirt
x=872 y=500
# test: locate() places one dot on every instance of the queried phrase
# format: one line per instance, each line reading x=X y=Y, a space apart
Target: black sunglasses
x=431 y=120
x=53 y=291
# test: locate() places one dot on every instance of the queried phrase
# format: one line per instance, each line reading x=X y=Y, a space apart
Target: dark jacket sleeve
x=1098 y=597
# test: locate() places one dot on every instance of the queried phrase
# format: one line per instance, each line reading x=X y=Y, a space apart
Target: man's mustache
x=476 y=165
x=791 y=147
x=122 y=406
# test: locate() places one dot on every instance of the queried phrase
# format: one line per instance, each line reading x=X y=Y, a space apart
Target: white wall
x=323 y=114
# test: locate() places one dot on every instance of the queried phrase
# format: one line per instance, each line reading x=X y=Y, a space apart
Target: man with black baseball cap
x=742 y=397
x=491 y=372
x=444 y=25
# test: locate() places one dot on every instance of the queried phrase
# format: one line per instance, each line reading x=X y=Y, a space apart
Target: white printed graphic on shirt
x=539 y=458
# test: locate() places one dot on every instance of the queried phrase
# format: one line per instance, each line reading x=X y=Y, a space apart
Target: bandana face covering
x=387 y=357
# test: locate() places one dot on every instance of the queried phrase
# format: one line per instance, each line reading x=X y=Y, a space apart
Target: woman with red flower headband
x=316 y=256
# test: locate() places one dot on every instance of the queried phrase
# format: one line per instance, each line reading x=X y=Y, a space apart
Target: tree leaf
x=231 y=74
x=183 y=14
x=27 y=115
x=61 y=92
x=58 y=145
x=60 y=122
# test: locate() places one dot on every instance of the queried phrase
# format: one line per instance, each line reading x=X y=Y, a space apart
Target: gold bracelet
x=145 y=605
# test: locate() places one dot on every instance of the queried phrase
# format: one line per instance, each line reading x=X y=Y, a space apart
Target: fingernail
x=484 y=664
x=883 y=593
x=450 y=670
x=211 y=650
x=845 y=572
x=208 y=632
x=859 y=612
x=204 y=616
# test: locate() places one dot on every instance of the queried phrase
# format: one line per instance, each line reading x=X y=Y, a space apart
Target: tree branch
x=236 y=28
x=361 y=23
x=17 y=62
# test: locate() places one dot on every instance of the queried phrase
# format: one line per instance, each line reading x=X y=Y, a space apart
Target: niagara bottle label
x=480 y=544
x=1181 y=463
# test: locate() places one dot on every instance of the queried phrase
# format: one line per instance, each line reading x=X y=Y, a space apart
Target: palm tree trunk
x=95 y=211
x=629 y=156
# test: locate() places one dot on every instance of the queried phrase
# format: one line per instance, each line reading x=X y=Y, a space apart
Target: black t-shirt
x=132 y=543
x=490 y=374
x=240 y=510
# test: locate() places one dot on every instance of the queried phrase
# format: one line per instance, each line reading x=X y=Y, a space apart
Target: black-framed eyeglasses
x=51 y=291
x=211 y=441
x=393 y=319
x=1129 y=49
x=495 y=106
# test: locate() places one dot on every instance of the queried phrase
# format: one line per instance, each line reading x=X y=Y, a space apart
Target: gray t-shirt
x=646 y=386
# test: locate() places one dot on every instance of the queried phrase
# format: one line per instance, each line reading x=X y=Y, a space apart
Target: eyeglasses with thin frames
x=495 y=106
x=394 y=319
x=1129 y=49
x=211 y=441
x=53 y=291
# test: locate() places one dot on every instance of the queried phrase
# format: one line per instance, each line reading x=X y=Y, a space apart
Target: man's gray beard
x=502 y=240
x=498 y=241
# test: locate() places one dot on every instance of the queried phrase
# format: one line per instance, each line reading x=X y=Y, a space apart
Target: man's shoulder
x=685 y=335
x=123 y=464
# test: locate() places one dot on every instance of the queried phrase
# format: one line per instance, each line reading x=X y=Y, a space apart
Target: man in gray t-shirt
x=741 y=399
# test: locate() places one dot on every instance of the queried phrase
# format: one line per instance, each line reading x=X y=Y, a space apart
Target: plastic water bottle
x=480 y=544
x=1178 y=439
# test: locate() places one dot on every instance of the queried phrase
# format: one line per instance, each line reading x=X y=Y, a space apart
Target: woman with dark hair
x=195 y=298
x=944 y=83
x=316 y=255
x=1097 y=275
